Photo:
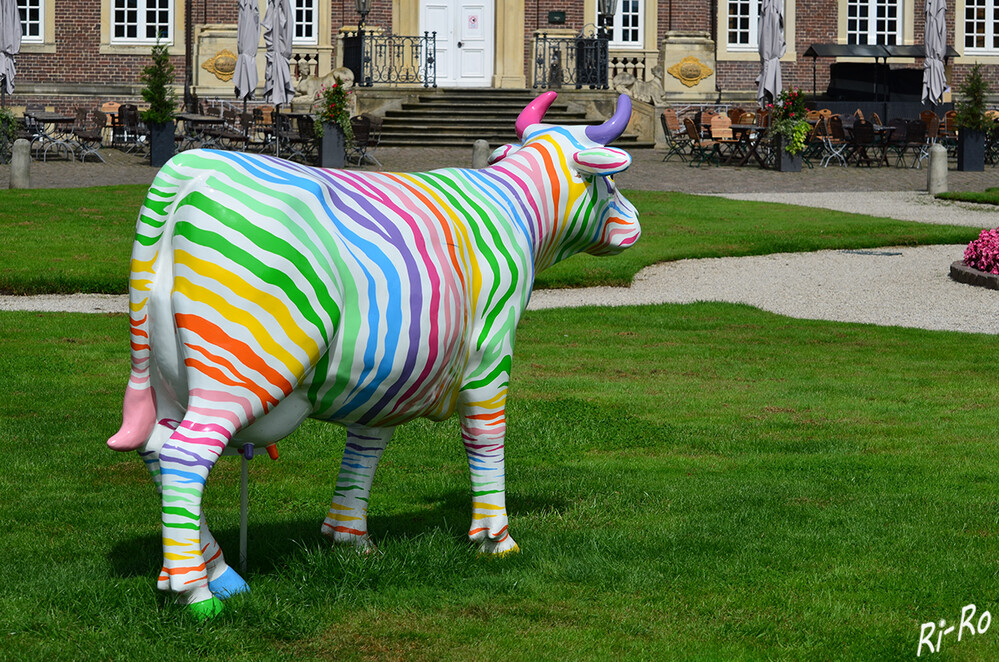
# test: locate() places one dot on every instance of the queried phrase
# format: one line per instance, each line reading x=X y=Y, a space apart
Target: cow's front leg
x=483 y=430
x=347 y=520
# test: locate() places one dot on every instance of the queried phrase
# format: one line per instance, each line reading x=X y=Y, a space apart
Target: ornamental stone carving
x=690 y=71
x=222 y=65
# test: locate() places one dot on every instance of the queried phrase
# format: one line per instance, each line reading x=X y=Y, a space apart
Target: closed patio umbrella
x=247 y=36
x=772 y=48
x=10 y=45
x=278 y=30
x=934 y=77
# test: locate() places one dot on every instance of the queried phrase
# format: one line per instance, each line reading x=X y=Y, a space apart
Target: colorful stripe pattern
x=264 y=292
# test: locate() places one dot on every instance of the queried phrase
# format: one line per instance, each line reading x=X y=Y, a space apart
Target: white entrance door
x=465 y=31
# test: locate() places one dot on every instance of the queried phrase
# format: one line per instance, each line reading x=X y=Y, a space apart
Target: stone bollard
x=20 y=164
x=480 y=154
x=936 y=174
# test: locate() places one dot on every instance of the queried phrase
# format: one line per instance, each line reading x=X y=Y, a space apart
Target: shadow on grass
x=270 y=542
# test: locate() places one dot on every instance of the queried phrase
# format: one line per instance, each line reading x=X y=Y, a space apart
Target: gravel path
x=891 y=286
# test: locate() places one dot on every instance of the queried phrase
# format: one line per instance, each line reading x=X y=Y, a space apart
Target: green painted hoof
x=206 y=609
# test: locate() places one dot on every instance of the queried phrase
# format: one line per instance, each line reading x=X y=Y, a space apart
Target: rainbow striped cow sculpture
x=263 y=292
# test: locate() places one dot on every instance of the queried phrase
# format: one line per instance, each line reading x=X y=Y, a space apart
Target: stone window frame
x=991 y=31
x=45 y=42
x=638 y=14
x=750 y=52
x=312 y=7
x=175 y=44
x=873 y=35
x=142 y=9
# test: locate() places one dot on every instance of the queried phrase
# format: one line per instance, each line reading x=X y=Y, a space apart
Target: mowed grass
x=989 y=196
x=79 y=240
x=702 y=482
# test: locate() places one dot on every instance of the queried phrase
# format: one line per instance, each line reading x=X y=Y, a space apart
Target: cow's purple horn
x=606 y=133
x=534 y=112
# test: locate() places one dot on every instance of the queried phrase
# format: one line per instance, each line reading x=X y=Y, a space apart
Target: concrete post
x=936 y=174
x=20 y=164
x=480 y=154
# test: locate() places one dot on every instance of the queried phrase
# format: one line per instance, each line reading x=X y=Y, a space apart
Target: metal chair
x=677 y=142
x=89 y=135
x=835 y=141
x=702 y=149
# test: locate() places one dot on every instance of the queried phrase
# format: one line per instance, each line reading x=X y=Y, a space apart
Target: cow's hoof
x=206 y=609
x=228 y=584
x=498 y=549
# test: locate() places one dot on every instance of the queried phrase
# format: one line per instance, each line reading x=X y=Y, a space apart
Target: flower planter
x=161 y=143
x=970 y=150
x=332 y=146
x=786 y=162
x=962 y=273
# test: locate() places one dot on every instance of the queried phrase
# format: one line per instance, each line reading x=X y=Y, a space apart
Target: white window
x=304 y=15
x=626 y=25
x=981 y=26
x=874 y=22
x=743 y=25
x=142 y=21
x=32 y=21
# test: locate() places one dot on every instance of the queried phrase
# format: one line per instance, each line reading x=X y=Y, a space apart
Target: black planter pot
x=970 y=150
x=332 y=147
x=786 y=162
x=161 y=144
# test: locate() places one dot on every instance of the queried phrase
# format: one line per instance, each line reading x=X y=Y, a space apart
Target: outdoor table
x=750 y=136
x=195 y=126
x=51 y=136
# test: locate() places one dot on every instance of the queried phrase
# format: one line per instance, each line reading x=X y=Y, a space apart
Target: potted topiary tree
x=971 y=122
x=160 y=96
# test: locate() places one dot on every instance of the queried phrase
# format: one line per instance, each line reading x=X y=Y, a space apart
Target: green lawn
x=699 y=482
x=989 y=196
x=703 y=482
x=79 y=240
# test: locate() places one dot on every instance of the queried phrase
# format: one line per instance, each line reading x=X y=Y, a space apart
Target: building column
x=509 y=44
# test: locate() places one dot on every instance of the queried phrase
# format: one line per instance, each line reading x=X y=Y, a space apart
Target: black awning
x=871 y=50
x=846 y=50
x=914 y=50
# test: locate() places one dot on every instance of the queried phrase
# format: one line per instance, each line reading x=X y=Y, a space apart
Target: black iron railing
x=376 y=58
x=570 y=61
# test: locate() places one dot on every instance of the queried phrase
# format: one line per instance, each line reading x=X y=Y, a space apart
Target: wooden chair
x=862 y=143
x=721 y=133
x=735 y=114
x=677 y=142
x=915 y=139
x=701 y=149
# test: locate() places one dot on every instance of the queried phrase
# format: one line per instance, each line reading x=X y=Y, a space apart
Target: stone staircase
x=458 y=117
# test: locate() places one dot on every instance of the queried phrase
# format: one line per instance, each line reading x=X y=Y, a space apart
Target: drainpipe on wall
x=714 y=36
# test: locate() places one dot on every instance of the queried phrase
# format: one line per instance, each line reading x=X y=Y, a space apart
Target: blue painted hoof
x=228 y=584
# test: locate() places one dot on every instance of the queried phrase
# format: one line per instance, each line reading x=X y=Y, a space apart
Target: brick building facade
x=82 y=52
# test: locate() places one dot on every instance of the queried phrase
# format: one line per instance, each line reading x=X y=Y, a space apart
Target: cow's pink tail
x=139 y=409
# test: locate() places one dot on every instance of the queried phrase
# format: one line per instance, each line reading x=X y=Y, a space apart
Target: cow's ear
x=501 y=153
x=601 y=160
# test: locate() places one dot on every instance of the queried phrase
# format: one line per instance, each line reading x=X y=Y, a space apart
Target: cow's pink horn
x=606 y=133
x=534 y=112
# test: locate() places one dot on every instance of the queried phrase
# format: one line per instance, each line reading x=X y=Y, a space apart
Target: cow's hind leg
x=185 y=461
x=223 y=581
x=347 y=520
x=483 y=430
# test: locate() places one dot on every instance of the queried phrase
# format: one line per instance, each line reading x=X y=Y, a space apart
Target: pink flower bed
x=983 y=253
